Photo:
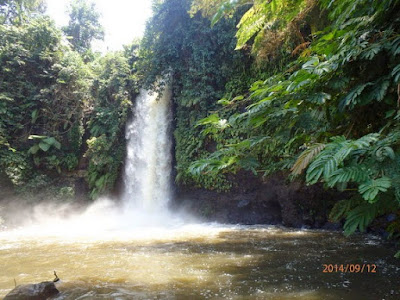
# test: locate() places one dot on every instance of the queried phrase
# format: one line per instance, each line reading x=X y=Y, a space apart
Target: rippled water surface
x=201 y=262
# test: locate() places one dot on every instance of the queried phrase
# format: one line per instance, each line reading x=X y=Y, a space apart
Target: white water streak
x=147 y=176
x=147 y=179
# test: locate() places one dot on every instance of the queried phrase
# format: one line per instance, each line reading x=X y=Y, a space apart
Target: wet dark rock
x=272 y=201
x=243 y=203
x=332 y=226
x=391 y=218
x=40 y=291
x=6 y=187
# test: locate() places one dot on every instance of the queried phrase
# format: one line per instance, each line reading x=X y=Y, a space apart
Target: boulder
x=39 y=291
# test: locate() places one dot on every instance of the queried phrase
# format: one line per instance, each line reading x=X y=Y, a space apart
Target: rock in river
x=39 y=291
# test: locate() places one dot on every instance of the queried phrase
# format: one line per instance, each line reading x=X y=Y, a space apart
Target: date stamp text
x=349 y=268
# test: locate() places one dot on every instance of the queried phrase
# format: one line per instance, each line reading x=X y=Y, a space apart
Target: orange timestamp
x=349 y=268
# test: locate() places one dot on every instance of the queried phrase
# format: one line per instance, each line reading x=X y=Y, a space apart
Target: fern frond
x=395 y=46
x=379 y=90
x=343 y=207
x=396 y=74
x=360 y=217
x=306 y=157
x=385 y=152
x=353 y=173
x=251 y=23
x=199 y=166
x=351 y=98
x=366 y=140
x=323 y=165
x=371 y=51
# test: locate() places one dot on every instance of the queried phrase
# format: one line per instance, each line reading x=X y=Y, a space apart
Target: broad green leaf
x=6 y=97
x=311 y=64
x=35 y=115
x=238 y=98
x=224 y=102
x=34 y=149
x=370 y=190
x=100 y=182
x=44 y=146
x=52 y=142
x=390 y=113
x=214 y=118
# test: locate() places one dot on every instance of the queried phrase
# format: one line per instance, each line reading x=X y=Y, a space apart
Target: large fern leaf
x=352 y=173
x=396 y=74
x=360 y=217
x=351 y=99
x=379 y=90
x=306 y=157
x=250 y=24
x=343 y=207
x=324 y=166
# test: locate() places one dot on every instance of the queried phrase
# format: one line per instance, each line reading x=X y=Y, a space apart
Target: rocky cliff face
x=274 y=200
x=6 y=187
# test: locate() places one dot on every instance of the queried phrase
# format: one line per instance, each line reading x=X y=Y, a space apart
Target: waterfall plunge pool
x=141 y=251
x=203 y=261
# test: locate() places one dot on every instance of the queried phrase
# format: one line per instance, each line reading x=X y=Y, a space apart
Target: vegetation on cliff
x=307 y=87
x=201 y=61
x=61 y=111
x=321 y=100
x=331 y=111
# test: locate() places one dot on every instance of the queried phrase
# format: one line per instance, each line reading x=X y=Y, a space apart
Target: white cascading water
x=147 y=187
x=147 y=176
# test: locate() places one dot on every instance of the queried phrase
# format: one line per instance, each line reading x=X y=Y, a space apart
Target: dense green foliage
x=59 y=115
x=307 y=87
x=205 y=67
x=18 y=12
x=338 y=102
x=201 y=60
x=113 y=91
x=42 y=94
x=270 y=24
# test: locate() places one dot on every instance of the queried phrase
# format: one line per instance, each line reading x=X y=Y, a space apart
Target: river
x=203 y=261
x=135 y=248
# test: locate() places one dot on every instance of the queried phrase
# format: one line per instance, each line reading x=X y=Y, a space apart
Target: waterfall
x=147 y=176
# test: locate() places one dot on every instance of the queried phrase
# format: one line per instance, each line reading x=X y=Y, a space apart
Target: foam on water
x=143 y=211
